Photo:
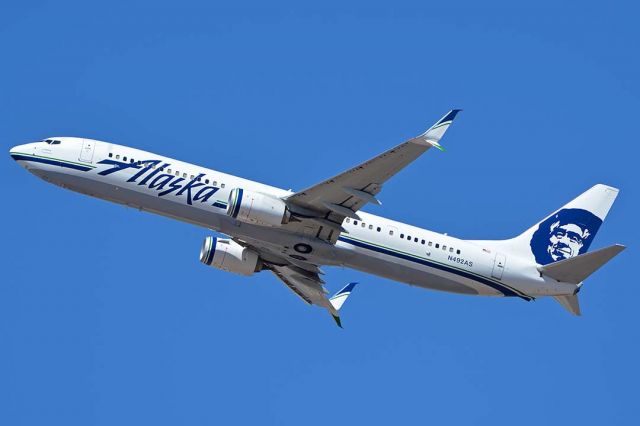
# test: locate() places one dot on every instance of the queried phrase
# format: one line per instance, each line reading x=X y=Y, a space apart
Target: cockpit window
x=55 y=142
x=51 y=141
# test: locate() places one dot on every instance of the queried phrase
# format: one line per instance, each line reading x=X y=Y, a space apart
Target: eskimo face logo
x=564 y=235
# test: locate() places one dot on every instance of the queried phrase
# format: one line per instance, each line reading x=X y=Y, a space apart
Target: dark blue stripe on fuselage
x=220 y=205
x=501 y=288
x=19 y=157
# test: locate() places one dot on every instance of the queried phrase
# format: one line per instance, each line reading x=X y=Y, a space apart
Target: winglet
x=437 y=131
x=336 y=318
x=338 y=299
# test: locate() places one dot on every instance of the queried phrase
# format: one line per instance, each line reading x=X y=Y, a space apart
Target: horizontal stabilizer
x=570 y=303
x=577 y=269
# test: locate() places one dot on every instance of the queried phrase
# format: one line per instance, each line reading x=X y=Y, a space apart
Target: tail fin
x=569 y=231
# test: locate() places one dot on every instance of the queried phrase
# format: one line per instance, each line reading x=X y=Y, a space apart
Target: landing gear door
x=498 y=266
x=86 y=152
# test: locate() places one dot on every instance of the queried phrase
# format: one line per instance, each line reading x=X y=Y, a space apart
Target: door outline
x=86 y=152
x=498 y=265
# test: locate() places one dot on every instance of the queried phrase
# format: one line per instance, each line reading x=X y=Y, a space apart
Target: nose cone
x=20 y=152
x=20 y=149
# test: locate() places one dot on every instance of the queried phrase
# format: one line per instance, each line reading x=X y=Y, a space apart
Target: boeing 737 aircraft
x=293 y=234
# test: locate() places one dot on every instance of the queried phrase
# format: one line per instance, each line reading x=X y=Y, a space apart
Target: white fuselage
x=199 y=196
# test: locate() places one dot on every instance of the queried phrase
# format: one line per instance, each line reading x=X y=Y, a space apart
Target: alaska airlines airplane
x=293 y=234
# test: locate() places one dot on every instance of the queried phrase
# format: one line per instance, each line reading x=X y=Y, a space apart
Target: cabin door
x=86 y=152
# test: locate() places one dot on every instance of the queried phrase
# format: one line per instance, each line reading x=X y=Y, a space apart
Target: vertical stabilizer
x=569 y=231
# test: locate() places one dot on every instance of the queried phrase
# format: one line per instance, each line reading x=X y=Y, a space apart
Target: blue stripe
x=449 y=117
x=497 y=286
x=238 y=201
x=220 y=205
x=20 y=157
x=212 y=250
x=347 y=289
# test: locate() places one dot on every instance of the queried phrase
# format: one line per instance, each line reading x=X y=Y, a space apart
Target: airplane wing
x=308 y=286
x=331 y=201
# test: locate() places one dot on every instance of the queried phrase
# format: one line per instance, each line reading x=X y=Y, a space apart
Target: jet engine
x=229 y=256
x=254 y=207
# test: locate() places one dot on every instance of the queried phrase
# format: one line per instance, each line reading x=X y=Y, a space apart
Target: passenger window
x=379 y=229
x=430 y=243
x=363 y=225
x=192 y=176
x=184 y=175
x=177 y=173
x=117 y=156
x=458 y=252
x=415 y=240
x=124 y=158
x=402 y=236
x=409 y=237
x=215 y=183
x=348 y=220
x=132 y=161
x=110 y=154
x=444 y=248
x=206 y=181
x=370 y=226
x=450 y=249
x=423 y=242
x=169 y=171
x=390 y=232
x=355 y=222
x=222 y=186
x=437 y=245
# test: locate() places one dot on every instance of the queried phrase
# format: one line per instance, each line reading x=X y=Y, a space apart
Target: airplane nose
x=19 y=150
x=14 y=151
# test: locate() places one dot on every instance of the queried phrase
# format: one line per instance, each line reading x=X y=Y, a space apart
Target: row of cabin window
x=153 y=166
x=415 y=239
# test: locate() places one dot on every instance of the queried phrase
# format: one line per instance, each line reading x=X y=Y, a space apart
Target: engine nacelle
x=229 y=256
x=257 y=208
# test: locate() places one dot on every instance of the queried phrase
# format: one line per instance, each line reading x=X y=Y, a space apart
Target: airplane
x=294 y=234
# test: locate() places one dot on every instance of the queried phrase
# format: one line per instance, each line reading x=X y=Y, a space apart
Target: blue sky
x=106 y=315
